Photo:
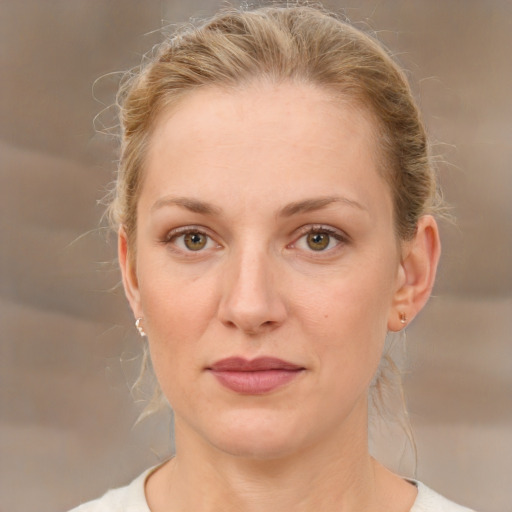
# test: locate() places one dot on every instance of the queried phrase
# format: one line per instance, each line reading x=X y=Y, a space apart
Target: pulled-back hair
x=279 y=44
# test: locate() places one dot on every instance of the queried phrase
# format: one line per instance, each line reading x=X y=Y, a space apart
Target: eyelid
x=322 y=228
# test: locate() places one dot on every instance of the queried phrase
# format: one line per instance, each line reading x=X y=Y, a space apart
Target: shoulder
x=125 y=499
x=430 y=501
x=112 y=501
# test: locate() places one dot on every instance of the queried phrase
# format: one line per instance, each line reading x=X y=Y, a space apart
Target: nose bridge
x=252 y=275
x=251 y=300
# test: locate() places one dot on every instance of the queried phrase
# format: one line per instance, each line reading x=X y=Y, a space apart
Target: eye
x=320 y=239
x=190 y=240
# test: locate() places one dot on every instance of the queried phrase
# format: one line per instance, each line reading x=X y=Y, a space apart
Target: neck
x=334 y=474
x=310 y=480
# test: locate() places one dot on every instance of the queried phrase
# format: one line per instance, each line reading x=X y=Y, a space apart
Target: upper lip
x=240 y=364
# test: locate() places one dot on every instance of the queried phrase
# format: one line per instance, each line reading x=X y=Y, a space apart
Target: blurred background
x=68 y=349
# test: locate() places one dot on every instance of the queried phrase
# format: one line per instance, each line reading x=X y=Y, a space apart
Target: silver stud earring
x=403 y=318
x=138 y=325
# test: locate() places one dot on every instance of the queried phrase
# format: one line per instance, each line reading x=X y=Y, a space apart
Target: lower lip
x=257 y=382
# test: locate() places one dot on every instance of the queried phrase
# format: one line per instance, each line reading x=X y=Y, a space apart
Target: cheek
x=351 y=301
x=346 y=318
x=177 y=311
x=175 y=303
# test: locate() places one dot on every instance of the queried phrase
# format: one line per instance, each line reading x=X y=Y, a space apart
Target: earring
x=138 y=325
x=403 y=318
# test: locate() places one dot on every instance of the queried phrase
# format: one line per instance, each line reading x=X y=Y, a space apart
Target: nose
x=251 y=301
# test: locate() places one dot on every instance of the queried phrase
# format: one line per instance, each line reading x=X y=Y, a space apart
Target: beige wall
x=67 y=343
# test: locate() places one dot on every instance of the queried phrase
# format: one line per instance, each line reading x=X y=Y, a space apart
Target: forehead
x=212 y=112
x=264 y=138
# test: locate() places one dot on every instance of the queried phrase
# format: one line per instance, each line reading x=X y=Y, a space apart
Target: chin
x=255 y=436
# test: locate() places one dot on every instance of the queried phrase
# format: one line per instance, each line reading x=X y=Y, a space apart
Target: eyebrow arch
x=194 y=205
x=309 y=205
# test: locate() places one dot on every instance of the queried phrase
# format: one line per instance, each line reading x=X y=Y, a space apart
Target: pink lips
x=254 y=377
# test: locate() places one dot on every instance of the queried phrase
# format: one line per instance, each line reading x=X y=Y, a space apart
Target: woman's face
x=264 y=230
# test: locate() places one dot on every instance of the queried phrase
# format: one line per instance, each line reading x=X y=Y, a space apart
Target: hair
x=280 y=44
x=297 y=43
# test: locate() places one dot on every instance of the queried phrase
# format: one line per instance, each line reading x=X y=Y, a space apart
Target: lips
x=256 y=376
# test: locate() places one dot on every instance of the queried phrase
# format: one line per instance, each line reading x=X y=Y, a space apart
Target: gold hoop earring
x=138 y=326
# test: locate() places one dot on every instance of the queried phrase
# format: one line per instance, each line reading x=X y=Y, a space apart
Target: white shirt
x=133 y=499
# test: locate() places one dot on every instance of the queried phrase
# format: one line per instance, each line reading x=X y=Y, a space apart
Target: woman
x=274 y=209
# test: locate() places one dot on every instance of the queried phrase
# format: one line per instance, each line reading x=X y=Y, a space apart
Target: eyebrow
x=189 y=203
x=304 y=206
x=317 y=203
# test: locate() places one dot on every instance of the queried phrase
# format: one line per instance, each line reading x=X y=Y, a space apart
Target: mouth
x=254 y=377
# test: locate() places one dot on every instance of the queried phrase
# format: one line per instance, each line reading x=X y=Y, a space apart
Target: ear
x=129 y=273
x=417 y=273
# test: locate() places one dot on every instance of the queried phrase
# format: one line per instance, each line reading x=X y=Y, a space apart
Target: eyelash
x=340 y=237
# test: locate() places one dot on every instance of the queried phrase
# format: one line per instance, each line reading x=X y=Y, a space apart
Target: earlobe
x=416 y=274
x=128 y=272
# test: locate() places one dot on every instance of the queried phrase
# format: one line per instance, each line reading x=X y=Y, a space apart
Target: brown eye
x=318 y=241
x=195 y=241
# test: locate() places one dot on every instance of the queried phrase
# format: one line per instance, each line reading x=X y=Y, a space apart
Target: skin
x=257 y=157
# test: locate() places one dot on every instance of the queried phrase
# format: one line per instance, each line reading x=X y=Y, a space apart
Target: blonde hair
x=290 y=43
x=297 y=43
